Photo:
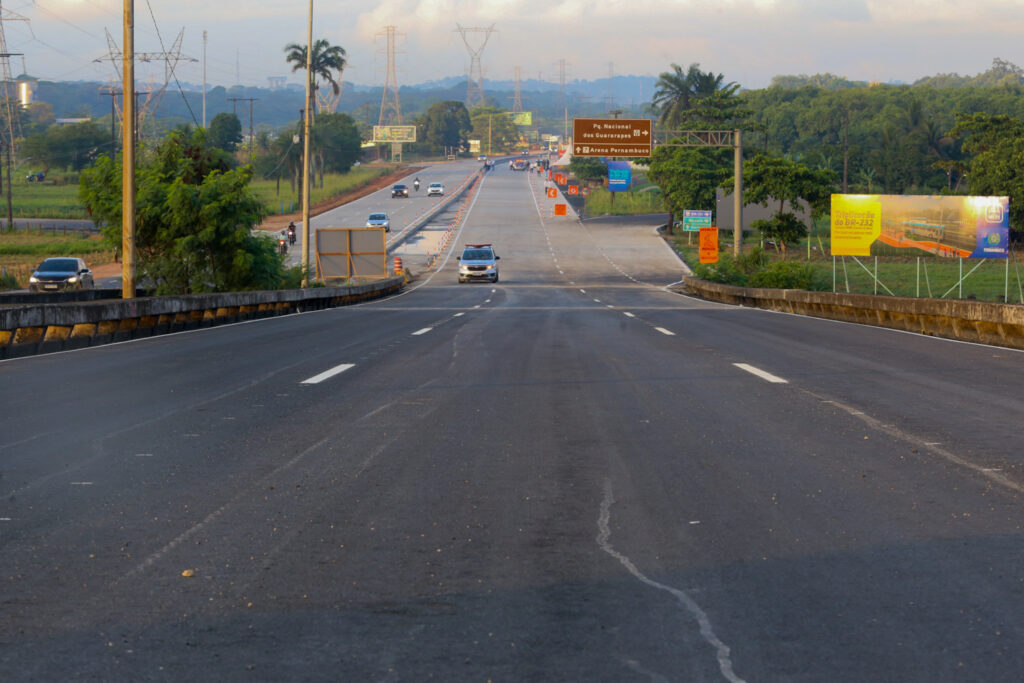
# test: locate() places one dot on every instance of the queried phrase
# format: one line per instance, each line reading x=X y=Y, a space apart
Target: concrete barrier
x=974 y=321
x=434 y=211
x=31 y=329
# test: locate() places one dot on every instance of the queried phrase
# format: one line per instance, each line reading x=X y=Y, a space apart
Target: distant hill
x=1001 y=73
x=277 y=108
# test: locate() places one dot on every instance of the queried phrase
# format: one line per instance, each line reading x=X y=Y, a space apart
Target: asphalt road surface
x=571 y=475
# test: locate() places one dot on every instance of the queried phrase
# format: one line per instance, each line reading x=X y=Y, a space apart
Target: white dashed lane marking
x=669 y=333
x=423 y=331
x=757 y=372
x=327 y=374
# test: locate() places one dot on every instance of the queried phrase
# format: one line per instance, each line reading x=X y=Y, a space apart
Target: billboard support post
x=737 y=195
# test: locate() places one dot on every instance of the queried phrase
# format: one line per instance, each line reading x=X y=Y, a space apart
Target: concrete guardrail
x=973 y=321
x=31 y=329
x=434 y=211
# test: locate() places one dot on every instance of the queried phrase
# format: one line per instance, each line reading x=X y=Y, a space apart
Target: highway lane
x=516 y=482
x=402 y=212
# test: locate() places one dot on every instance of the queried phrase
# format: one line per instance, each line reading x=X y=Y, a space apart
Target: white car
x=435 y=189
x=379 y=220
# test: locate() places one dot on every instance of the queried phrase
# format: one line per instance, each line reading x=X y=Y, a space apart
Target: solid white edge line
x=670 y=333
x=766 y=376
x=327 y=374
x=423 y=331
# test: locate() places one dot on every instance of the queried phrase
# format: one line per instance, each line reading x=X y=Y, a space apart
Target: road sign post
x=611 y=137
x=708 y=245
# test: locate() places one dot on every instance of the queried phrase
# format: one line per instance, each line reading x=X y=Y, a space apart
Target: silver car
x=478 y=262
x=379 y=220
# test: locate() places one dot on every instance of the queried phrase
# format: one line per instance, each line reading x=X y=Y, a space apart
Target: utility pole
x=234 y=110
x=204 y=78
x=113 y=119
x=128 y=157
x=306 y=114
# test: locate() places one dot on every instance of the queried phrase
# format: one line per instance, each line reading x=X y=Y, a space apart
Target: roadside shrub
x=8 y=281
x=788 y=275
x=726 y=272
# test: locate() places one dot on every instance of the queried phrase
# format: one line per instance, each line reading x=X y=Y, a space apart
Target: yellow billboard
x=957 y=227
x=856 y=223
x=394 y=134
x=522 y=118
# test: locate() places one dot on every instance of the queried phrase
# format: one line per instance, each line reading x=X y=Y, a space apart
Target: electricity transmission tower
x=12 y=128
x=563 y=103
x=12 y=125
x=517 y=98
x=390 y=107
x=475 y=82
x=609 y=98
x=170 y=58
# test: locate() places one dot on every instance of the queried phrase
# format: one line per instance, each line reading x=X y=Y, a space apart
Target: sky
x=749 y=41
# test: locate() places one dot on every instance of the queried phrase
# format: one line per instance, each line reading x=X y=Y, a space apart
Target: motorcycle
x=291 y=235
x=416 y=185
x=282 y=244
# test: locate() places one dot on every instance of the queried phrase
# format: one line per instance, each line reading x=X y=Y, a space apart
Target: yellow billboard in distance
x=856 y=223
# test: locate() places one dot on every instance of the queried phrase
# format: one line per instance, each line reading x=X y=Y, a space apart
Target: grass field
x=908 y=276
x=601 y=202
x=49 y=199
x=21 y=252
x=57 y=196
x=287 y=201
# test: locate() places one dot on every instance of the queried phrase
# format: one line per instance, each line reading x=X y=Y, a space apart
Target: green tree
x=689 y=177
x=194 y=219
x=225 y=132
x=588 y=169
x=73 y=146
x=672 y=94
x=326 y=64
x=494 y=129
x=445 y=125
x=777 y=179
x=335 y=144
x=696 y=99
x=995 y=146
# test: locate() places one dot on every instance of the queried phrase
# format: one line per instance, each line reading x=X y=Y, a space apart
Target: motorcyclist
x=291 y=233
x=416 y=184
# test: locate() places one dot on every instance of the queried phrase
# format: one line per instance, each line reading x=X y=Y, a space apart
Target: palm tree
x=707 y=84
x=327 y=60
x=673 y=92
